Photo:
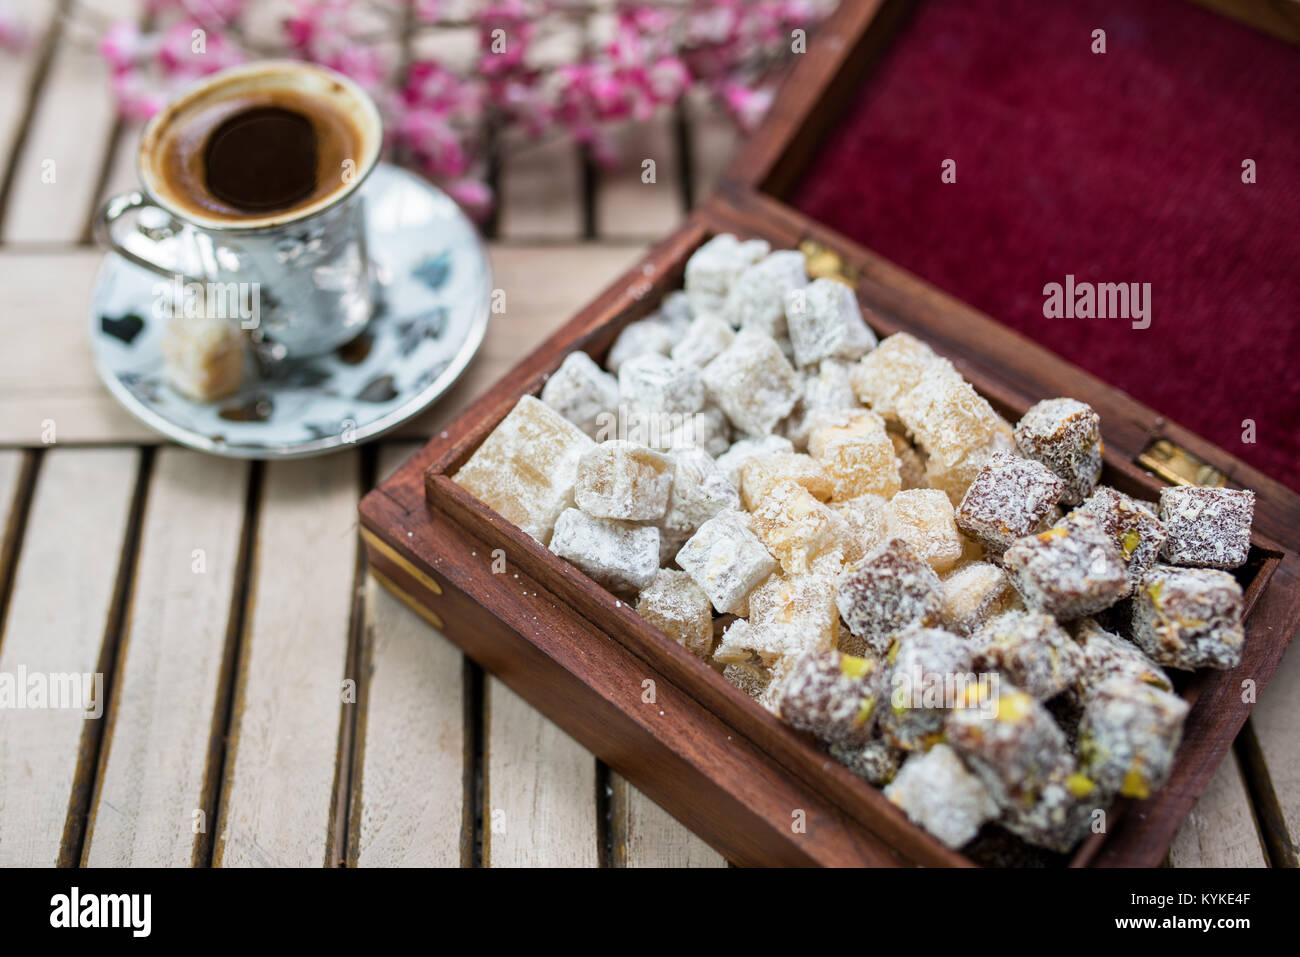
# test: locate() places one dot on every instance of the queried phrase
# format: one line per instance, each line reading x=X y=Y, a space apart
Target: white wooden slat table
x=267 y=702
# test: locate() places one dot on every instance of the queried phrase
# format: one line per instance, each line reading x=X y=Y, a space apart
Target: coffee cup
x=251 y=189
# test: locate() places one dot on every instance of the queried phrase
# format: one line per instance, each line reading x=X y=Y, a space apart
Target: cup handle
x=123 y=209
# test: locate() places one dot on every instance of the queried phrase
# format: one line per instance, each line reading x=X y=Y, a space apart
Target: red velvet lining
x=1117 y=167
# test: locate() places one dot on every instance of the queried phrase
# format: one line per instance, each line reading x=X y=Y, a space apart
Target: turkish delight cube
x=1133 y=527
x=973 y=593
x=582 y=392
x=795 y=527
x=699 y=492
x=1011 y=742
x=826 y=323
x=705 y=339
x=890 y=590
x=832 y=695
x=676 y=605
x=923 y=517
x=1207 y=526
x=1031 y=650
x=757 y=297
x=715 y=266
x=857 y=454
x=929 y=673
x=1129 y=735
x=651 y=335
x=621 y=556
x=752 y=679
x=203 y=356
x=1071 y=570
x=911 y=462
x=893 y=369
x=623 y=480
x=734 y=458
x=947 y=418
x=825 y=388
x=656 y=384
x=1065 y=435
x=1063 y=813
x=955 y=479
x=766 y=642
x=804 y=602
x=762 y=473
x=1010 y=498
x=939 y=793
x=753 y=383
x=865 y=518
x=707 y=429
x=727 y=560
x=675 y=311
x=876 y=761
x=1106 y=655
x=526 y=468
x=1189 y=617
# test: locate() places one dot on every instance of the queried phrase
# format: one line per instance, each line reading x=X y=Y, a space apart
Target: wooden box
x=757 y=791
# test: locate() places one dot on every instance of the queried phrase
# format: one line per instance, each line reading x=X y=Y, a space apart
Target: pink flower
x=322 y=31
x=14 y=35
x=428 y=11
x=213 y=13
x=433 y=86
x=505 y=32
x=189 y=50
x=122 y=45
x=474 y=196
x=136 y=100
x=747 y=105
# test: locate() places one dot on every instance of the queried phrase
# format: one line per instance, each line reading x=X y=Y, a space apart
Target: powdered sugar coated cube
x=757 y=297
x=624 y=480
x=618 y=555
x=826 y=323
x=527 y=467
x=727 y=560
x=715 y=266
x=582 y=392
x=753 y=383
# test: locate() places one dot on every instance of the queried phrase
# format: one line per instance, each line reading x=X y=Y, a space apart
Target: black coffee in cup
x=256 y=150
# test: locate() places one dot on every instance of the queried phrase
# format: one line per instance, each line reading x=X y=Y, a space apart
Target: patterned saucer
x=434 y=289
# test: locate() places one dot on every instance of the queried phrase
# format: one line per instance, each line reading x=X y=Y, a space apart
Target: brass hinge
x=825 y=263
x=1176 y=465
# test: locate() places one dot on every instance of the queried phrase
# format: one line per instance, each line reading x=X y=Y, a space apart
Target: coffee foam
x=170 y=163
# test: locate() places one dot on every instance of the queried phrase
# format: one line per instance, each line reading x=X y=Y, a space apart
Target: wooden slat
x=408 y=792
x=46 y=370
x=1276 y=721
x=539 y=787
x=149 y=806
x=71 y=128
x=278 y=787
x=627 y=207
x=61 y=604
x=12 y=463
x=18 y=70
x=1220 y=832
x=645 y=835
